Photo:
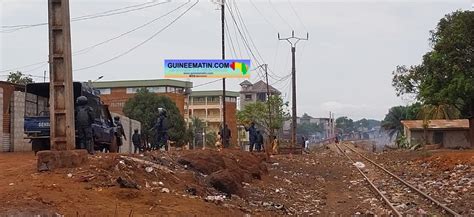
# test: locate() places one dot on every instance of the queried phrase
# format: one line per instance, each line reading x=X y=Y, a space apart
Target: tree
x=144 y=108
x=392 y=121
x=446 y=74
x=196 y=127
x=258 y=112
x=19 y=78
x=308 y=129
x=345 y=124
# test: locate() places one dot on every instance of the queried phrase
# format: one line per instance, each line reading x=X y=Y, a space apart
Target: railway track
x=403 y=198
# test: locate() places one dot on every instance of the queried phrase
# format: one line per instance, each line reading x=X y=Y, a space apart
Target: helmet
x=161 y=111
x=82 y=100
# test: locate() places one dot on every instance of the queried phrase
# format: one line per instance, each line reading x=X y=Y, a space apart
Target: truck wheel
x=113 y=147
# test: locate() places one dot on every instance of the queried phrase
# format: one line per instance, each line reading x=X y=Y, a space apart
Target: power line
x=271 y=74
x=263 y=16
x=25 y=66
x=281 y=17
x=210 y=82
x=297 y=16
x=87 y=49
x=141 y=43
x=244 y=38
x=13 y=28
x=229 y=36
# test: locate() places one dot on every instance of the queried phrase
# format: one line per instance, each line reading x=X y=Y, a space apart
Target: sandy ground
x=320 y=183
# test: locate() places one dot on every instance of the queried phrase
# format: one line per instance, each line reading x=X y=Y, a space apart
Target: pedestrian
x=161 y=130
x=137 y=142
x=84 y=118
x=219 y=141
x=303 y=142
x=275 y=145
x=226 y=135
x=252 y=135
x=259 y=142
x=119 y=133
x=306 y=144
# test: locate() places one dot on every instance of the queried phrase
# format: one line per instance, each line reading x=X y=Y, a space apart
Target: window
x=230 y=99
x=171 y=90
x=133 y=89
x=248 y=97
x=104 y=91
x=156 y=89
x=179 y=90
x=262 y=97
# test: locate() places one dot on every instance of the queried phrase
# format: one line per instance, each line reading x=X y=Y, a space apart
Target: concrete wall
x=451 y=138
x=128 y=125
x=17 y=123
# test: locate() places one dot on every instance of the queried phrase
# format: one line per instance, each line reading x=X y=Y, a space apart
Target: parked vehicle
x=37 y=118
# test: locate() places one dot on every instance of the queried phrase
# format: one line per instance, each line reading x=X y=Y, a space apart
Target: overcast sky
x=345 y=66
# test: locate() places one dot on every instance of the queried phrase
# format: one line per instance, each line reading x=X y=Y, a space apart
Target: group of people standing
x=84 y=118
x=256 y=140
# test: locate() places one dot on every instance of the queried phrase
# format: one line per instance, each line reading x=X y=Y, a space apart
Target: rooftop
x=258 y=87
x=143 y=83
x=214 y=93
x=437 y=124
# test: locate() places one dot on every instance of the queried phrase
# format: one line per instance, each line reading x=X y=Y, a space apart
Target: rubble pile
x=198 y=173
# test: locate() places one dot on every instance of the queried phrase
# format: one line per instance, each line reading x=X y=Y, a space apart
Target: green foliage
x=392 y=121
x=19 y=78
x=308 y=129
x=144 y=108
x=258 y=112
x=402 y=142
x=211 y=138
x=446 y=74
x=366 y=123
x=345 y=124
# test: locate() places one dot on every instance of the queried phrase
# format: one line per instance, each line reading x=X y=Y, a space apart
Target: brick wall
x=17 y=123
x=128 y=125
x=4 y=147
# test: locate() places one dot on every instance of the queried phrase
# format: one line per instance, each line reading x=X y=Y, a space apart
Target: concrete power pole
x=293 y=42
x=61 y=98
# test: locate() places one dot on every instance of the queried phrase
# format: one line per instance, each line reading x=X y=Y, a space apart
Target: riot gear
x=82 y=100
x=84 y=119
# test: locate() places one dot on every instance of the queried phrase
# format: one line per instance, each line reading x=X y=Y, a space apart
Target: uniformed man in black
x=120 y=132
x=84 y=119
x=161 y=129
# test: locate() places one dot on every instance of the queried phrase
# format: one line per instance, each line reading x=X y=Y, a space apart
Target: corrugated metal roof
x=214 y=93
x=143 y=83
x=437 y=124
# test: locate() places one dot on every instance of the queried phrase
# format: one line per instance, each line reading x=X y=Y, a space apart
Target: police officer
x=120 y=132
x=84 y=119
x=161 y=129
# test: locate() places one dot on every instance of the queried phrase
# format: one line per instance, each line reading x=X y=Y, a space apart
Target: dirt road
x=321 y=183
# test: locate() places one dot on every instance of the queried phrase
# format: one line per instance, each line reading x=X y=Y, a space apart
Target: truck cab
x=37 y=118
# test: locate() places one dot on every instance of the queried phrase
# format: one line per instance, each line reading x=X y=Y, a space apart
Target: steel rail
x=372 y=185
x=407 y=184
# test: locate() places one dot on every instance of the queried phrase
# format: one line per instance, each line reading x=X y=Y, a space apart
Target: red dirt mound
x=226 y=170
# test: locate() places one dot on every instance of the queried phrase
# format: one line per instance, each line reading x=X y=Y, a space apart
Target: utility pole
x=61 y=96
x=293 y=42
x=265 y=68
x=224 y=125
